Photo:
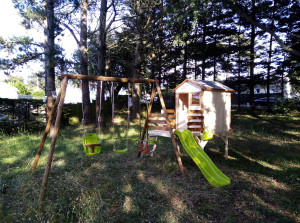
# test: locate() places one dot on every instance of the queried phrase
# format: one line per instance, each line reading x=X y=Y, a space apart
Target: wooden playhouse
x=199 y=105
x=203 y=105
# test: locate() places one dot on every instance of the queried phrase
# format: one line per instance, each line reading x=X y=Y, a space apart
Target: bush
x=286 y=106
x=22 y=88
x=38 y=94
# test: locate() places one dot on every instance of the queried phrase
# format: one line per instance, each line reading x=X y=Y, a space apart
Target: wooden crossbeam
x=112 y=79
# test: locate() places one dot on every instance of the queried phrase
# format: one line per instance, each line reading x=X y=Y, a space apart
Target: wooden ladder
x=195 y=121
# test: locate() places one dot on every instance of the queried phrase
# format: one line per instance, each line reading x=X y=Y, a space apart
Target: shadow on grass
x=114 y=187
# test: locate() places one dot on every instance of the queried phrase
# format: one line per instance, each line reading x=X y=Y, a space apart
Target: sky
x=10 y=25
x=10 y=20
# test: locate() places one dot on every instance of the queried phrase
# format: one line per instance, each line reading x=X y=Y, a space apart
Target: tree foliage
x=247 y=42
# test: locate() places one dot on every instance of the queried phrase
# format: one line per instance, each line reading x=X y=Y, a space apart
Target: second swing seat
x=120 y=151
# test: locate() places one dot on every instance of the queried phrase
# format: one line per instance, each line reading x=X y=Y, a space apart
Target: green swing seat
x=120 y=150
x=91 y=144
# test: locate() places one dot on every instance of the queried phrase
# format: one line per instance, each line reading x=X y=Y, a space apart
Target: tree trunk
x=101 y=58
x=49 y=58
x=268 y=72
x=161 y=44
x=137 y=63
x=282 y=79
x=270 y=61
x=185 y=60
x=196 y=69
x=203 y=65
x=87 y=110
x=215 y=68
x=252 y=58
x=229 y=60
x=239 y=72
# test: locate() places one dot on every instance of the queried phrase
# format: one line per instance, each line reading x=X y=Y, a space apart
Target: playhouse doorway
x=182 y=111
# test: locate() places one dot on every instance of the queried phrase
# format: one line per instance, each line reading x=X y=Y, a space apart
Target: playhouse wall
x=217 y=111
x=182 y=104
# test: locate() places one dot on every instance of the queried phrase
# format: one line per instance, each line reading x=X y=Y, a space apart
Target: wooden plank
x=195 y=123
x=152 y=127
x=157 y=121
x=195 y=126
x=53 y=142
x=172 y=126
x=196 y=117
x=196 y=129
x=39 y=151
x=195 y=111
x=171 y=111
x=112 y=79
x=156 y=115
x=171 y=116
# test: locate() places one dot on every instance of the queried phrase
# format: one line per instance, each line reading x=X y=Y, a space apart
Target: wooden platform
x=159 y=133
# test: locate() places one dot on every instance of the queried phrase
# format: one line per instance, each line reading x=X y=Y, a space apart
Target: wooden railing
x=157 y=121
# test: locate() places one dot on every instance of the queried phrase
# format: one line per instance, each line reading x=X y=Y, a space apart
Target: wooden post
x=226 y=146
x=178 y=145
x=170 y=128
x=225 y=140
x=53 y=142
x=37 y=157
x=149 y=111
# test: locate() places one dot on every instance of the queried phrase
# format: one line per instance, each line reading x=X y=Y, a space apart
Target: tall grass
x=263 y=165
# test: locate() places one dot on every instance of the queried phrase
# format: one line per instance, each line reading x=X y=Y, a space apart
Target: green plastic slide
x=214 y=176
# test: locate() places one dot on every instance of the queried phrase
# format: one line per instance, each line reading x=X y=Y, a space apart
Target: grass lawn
x=263 y=164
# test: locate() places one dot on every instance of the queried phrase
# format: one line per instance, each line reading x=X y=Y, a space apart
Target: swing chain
x=100 y=107
x=112 y=115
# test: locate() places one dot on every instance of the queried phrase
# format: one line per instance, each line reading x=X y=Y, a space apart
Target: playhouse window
x=195 y=99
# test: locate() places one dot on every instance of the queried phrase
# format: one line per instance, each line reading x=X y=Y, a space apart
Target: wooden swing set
x=164 y=126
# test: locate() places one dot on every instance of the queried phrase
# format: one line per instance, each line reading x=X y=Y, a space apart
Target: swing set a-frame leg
x=157 y=88
x=53 y=142
x=170 y=129
x=37 y=157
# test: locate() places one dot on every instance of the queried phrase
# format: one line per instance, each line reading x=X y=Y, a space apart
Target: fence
x=21 y=114
x=29 y=114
